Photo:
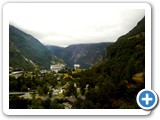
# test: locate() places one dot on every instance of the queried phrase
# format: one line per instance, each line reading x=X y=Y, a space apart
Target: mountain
x=127 y=54
x=116 y=80
x=126 y=57
x=26 y=52
x=84 y=54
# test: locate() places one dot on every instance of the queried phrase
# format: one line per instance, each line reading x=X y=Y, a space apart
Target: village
x=54 y=84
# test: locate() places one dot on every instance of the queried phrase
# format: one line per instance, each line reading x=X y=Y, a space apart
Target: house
x=57 y=67
x=43 y=71
x=71 y=99
x=76 y=66
x=16 y=73
x=81 y=97
x=67 y=105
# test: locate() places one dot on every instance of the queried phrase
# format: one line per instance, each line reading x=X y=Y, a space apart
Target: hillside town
x=57 y=85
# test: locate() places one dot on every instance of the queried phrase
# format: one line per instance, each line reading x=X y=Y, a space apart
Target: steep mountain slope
x=127 y=55
x=26 y=52
x=84 y=54
x=115 y=81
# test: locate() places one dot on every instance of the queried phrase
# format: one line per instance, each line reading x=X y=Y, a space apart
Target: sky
x=63 y=24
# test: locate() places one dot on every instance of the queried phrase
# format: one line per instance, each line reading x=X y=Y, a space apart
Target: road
x=18 y=93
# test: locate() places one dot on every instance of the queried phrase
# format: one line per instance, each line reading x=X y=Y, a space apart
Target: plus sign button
x=147 y=99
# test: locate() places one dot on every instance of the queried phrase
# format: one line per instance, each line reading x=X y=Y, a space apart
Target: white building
x=56 y=68
x=76 y=66
x=16 y=73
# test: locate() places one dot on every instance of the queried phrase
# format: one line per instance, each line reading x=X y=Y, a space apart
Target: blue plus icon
x=147 y=99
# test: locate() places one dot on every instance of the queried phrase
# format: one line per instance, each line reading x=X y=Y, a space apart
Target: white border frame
x=8 y=111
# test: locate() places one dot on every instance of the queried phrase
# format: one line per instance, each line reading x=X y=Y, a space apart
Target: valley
x=31 y=54
x=83 y=76
x=84 y=54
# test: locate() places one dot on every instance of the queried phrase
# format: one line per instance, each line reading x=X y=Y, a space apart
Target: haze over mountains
x=112 y=83
x=26 y=52
x=115 y=81
x=84 y=54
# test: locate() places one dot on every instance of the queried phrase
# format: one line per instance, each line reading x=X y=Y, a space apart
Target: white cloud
x=65 y=24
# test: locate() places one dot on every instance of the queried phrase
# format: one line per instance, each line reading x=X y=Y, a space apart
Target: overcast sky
x=64 y=24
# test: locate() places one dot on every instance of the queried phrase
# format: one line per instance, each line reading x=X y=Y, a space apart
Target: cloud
x=65 y=24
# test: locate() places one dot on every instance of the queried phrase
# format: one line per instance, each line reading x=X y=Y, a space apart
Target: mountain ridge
x=115 y=82
x=85 y=54
x=29 y=51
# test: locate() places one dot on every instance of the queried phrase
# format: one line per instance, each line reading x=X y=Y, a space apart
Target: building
x=76 y=66
x=16 y=73
x=43 y=71
x=57 y=67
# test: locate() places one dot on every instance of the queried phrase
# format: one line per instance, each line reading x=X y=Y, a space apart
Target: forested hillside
x=115 y=82
x=111 y=83
x=26 y=52
x=84 y=54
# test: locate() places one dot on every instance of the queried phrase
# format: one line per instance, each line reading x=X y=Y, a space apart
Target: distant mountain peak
x=84 y=54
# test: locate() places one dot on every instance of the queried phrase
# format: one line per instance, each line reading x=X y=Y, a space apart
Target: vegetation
x=27 y=50
x=112 y=83
x=84 y=54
